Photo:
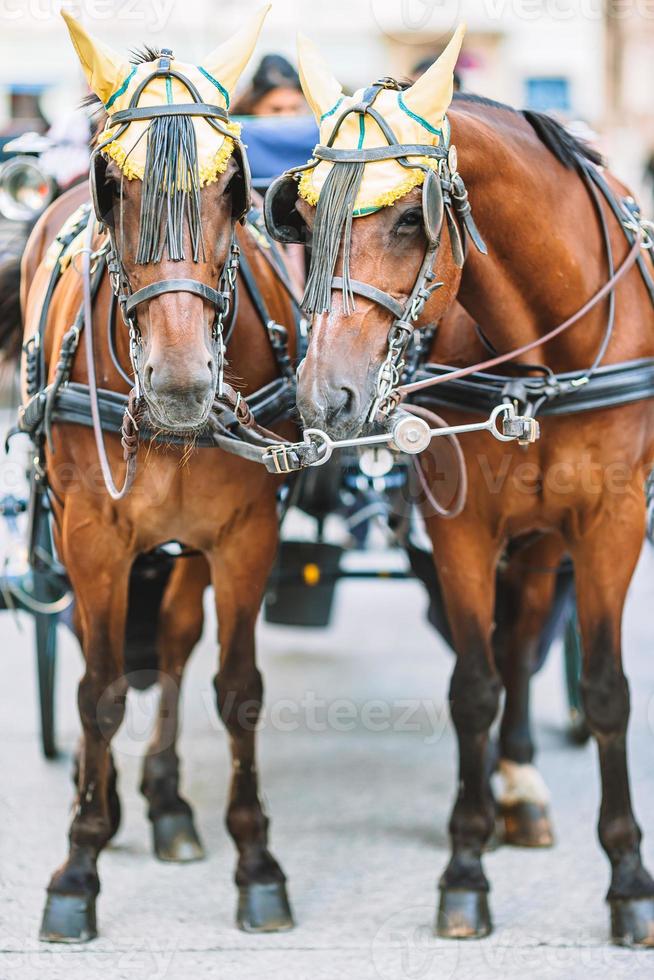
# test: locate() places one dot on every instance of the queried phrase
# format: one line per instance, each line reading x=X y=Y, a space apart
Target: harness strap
x=129 y=427
x=376 y=153
x=645 y=269
x=617 y=384
x=373 y=293
x=213 y=296
x=138 y=113
x=626 y=265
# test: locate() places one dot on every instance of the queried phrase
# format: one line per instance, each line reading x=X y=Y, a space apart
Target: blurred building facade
x=590 y=61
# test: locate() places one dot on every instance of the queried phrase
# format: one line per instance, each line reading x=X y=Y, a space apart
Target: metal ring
x=504 y=411
x=318 y=435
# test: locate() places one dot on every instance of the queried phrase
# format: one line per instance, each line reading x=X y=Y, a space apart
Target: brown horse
x=547 y=256
x=219 y=505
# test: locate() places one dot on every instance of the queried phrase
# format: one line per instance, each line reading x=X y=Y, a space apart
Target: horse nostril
x=349 y=399
x=342 y=404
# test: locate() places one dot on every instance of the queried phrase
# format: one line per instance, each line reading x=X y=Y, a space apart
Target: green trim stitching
x=361 y=212
x=214 y=81
x=423 y=122
x=331 y=111
x=362 y=130
x=119 y=91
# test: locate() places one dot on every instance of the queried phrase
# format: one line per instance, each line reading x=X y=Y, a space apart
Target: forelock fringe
x=171 y=192
x=334 y=215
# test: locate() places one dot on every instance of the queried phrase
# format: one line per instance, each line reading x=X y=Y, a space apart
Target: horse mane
x=559 y=141
x=141 y=56
x=566 y=148
x=482 y=100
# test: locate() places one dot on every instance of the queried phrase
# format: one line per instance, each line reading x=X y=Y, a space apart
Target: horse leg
x=113 y=799
x=101 y=595
x=179 y=629
x=465 y=561
x=525 y=597
x=239 y=570
x=602 y=578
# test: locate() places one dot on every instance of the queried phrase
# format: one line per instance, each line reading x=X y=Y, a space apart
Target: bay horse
x=170 y=185
x=555 y=254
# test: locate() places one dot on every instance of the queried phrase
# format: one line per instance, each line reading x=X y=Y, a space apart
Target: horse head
x=169 y=180
x=373 y=200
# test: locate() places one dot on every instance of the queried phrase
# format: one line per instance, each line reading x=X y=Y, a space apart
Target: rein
x=130 y=432
x=609 y=285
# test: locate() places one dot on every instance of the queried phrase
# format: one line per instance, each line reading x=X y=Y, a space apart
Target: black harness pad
x=102 y=196
x=432 y=206
x=241 y=186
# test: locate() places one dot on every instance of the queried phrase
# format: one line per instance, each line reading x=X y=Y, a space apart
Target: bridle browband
x=444 y=194
x=130 y=300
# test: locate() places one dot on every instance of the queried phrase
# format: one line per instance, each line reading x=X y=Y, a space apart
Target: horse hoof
x=463 y=914
x=68 y=919
x=527 y=825
x=632 y=921
x=264 y=908
x=175 y=838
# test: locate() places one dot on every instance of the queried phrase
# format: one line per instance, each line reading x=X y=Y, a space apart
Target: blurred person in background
x=274 y=91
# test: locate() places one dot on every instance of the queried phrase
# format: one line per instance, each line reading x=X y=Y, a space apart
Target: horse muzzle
x=178 y=404
x=336 y=405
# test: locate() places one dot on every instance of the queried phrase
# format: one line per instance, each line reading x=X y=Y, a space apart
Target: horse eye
x=409 y=221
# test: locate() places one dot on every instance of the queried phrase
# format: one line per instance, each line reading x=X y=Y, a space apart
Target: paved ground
x=359 y=816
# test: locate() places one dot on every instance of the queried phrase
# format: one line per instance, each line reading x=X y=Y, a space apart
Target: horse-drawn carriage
x=161 y=247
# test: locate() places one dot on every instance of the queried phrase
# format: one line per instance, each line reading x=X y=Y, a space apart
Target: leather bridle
x=128 y=299
x=444 y=195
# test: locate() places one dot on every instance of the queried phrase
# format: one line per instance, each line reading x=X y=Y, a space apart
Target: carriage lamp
x=25 y=189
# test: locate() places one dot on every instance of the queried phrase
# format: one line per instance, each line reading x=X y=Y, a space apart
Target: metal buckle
x=277 y=453
x=521 y=427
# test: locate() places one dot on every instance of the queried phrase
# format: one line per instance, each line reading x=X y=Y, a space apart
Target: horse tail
x=11 y=318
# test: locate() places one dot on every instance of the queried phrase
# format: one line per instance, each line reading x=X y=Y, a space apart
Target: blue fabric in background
x=276 y=143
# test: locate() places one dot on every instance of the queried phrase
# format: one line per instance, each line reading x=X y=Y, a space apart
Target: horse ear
x=227 y=61
x=104 y=69
x=430 y=96
x=321 y=89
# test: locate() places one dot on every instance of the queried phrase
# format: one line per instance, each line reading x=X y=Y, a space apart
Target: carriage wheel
x=578 y=730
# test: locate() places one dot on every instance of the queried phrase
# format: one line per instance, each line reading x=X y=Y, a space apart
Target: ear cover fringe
x=170 y=197
x=334 y=214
